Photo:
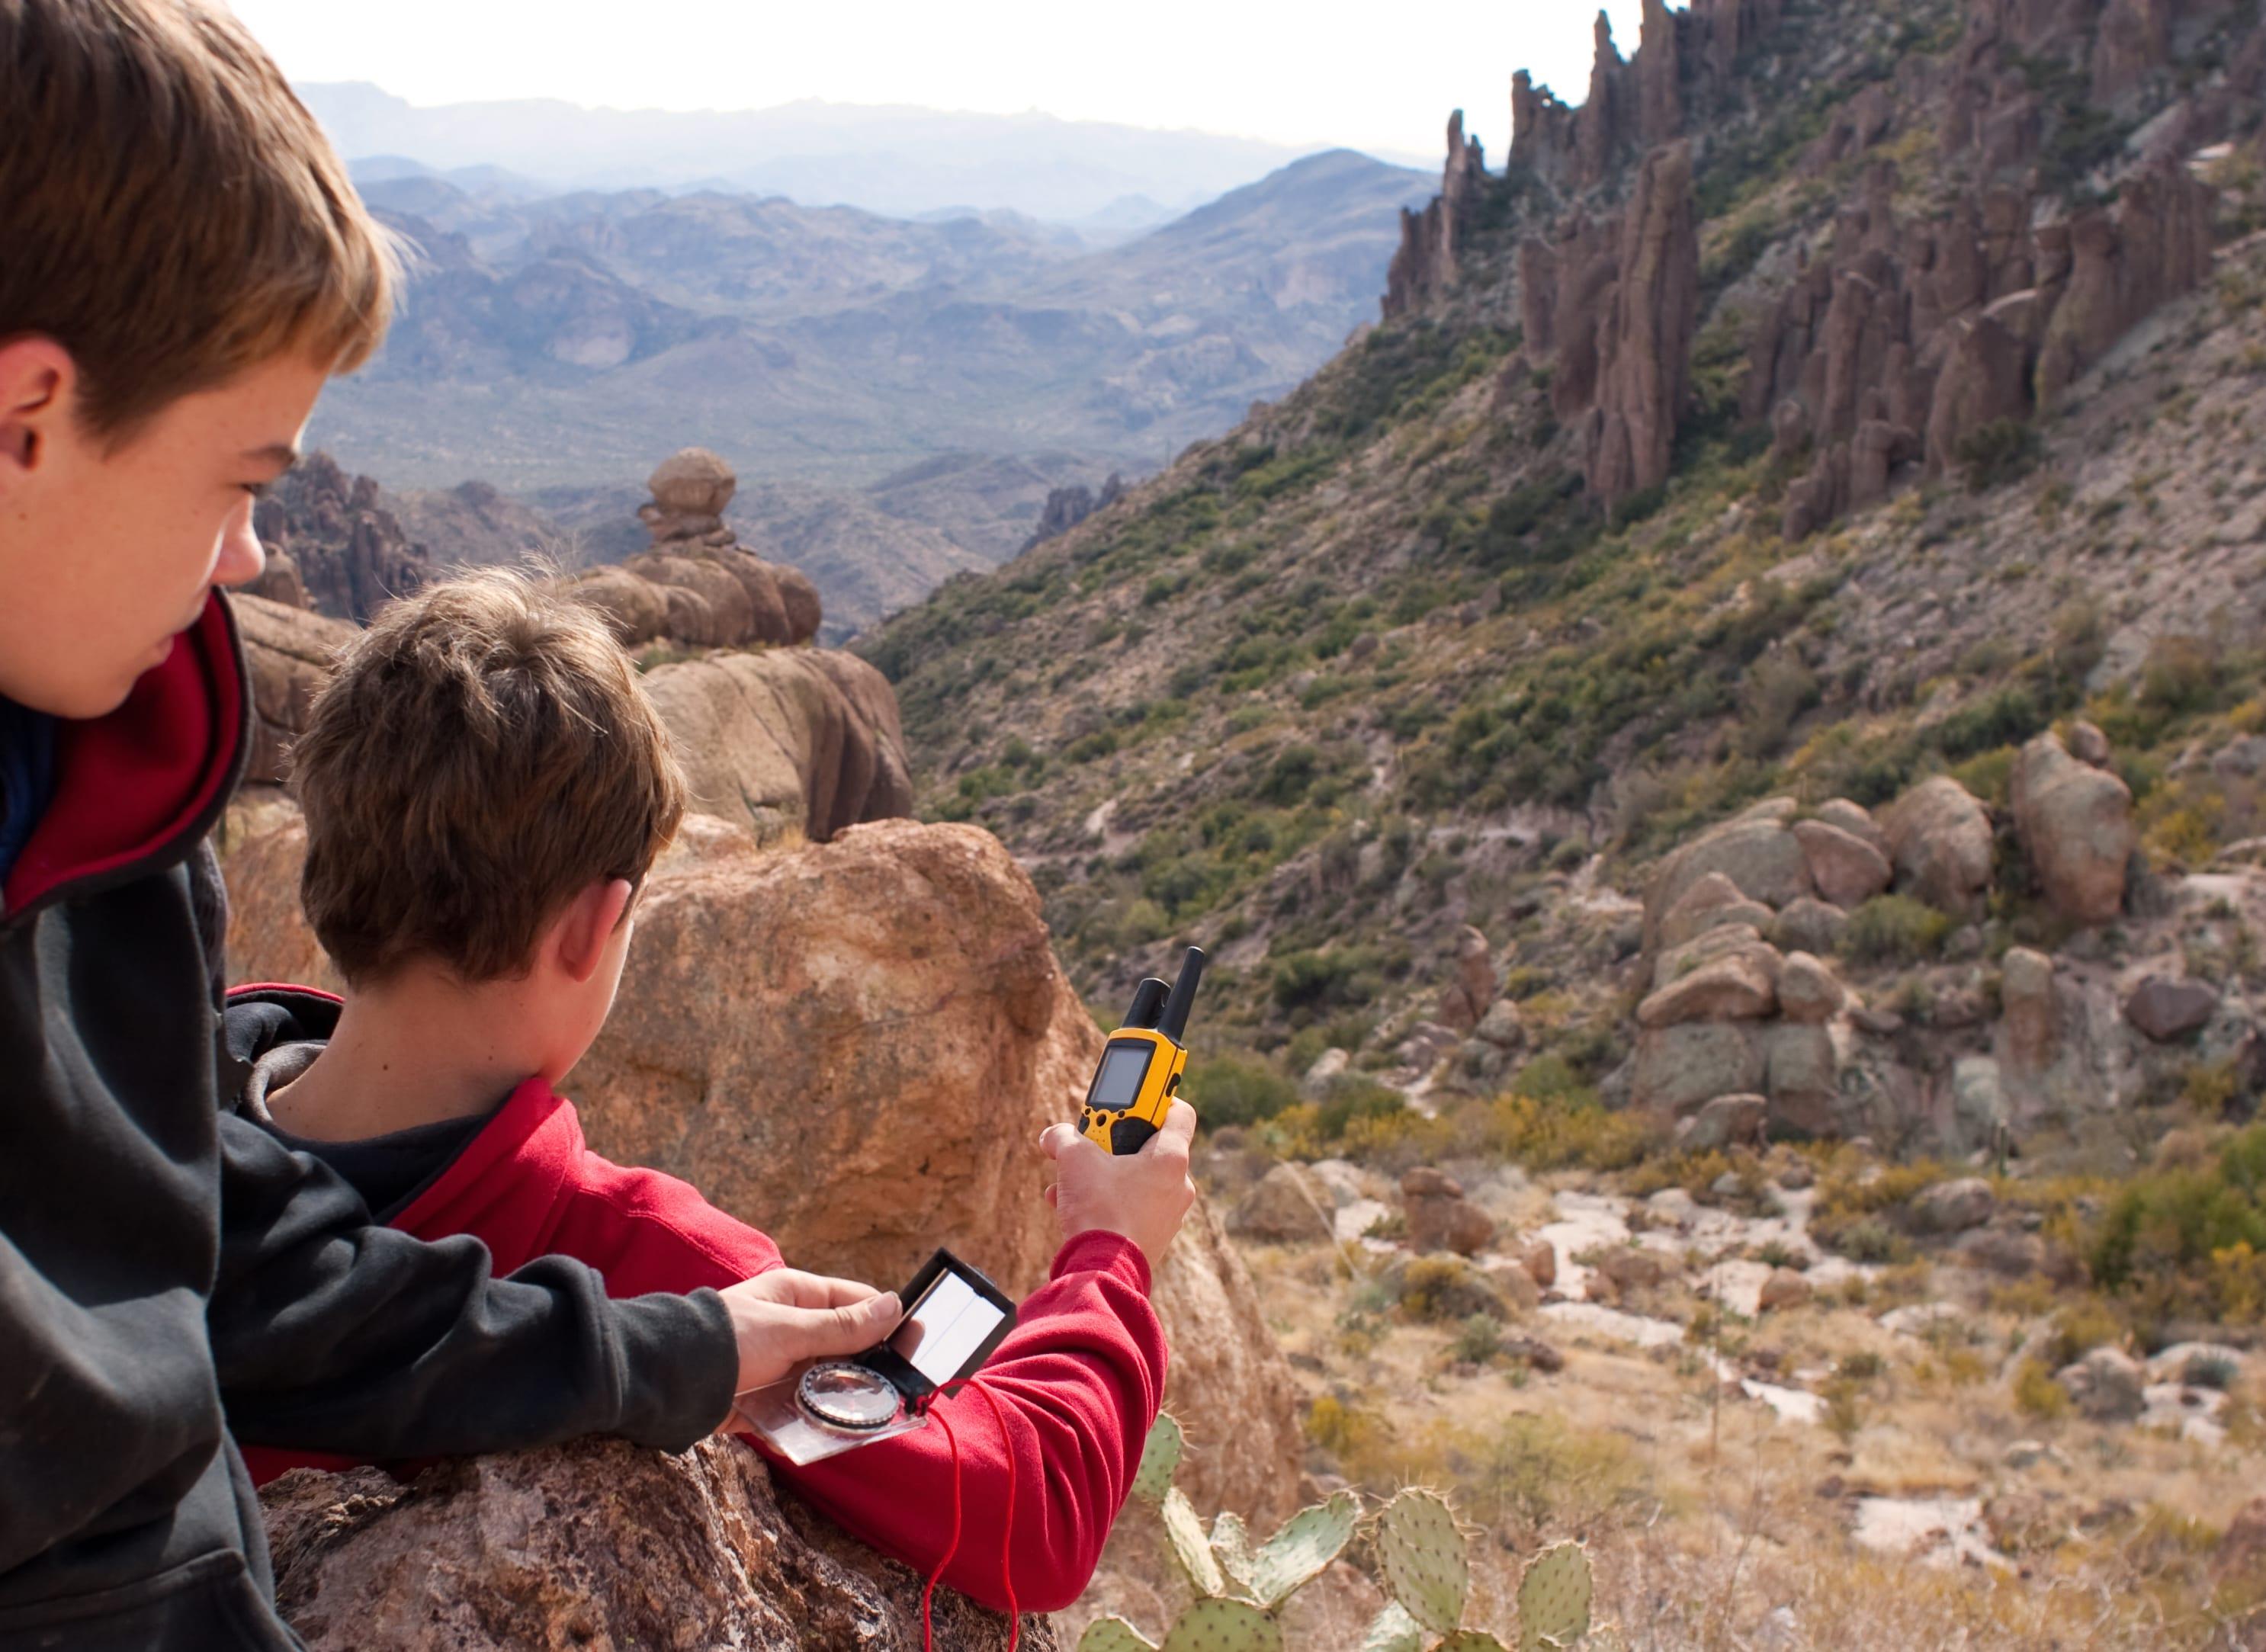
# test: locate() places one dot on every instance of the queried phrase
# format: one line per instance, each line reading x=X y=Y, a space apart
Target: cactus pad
x=1553 y=1598
x=1425 y=1558
x=1470 y=1641
x=1159 y=1458
x=1224 y=1626
x=1186 y=1534
x=1231 y=1546
x=1309 y=1541
x=1114 y=1635
x=1392 y=1630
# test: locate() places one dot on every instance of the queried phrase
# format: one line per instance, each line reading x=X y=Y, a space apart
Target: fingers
x=1179 y=1131
x=799 y=1289
x=824 y=1333
x=1055 y=1140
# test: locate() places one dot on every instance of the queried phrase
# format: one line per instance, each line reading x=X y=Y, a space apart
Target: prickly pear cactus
x=1553 y=1598
x=1159 y=1458
x=1186 y=1533
x=1308 y=1542
x=1224 y=1626
x=1425 y=1558
x=1392 y=1630
x=1114 y=1635
x=1231 y=1546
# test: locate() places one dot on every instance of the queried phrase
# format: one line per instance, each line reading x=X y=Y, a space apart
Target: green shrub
x=1895 y=928
x=1998 y=452
x=1337 y=979
x=1237 y=1089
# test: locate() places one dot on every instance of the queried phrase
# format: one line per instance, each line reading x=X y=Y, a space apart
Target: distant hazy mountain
x=867 y=376
x=893 y=159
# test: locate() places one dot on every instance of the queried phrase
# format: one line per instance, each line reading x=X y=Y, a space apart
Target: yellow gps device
x=1140 y=1069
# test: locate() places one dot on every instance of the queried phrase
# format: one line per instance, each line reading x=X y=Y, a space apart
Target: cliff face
x=332 y=545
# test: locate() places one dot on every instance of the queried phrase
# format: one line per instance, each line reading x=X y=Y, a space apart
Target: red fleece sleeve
x=1078 y=1381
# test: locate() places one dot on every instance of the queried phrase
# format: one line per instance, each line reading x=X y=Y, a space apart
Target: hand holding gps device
x=1141 y=1065
x=955 y=1318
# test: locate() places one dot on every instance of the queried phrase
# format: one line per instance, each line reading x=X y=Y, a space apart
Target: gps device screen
x=1117 y=1084
x=945 y=1328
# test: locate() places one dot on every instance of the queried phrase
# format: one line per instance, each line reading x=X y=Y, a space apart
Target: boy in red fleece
x=486 y=785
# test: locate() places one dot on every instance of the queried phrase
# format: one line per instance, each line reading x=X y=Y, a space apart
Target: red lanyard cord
x=1007 y=1528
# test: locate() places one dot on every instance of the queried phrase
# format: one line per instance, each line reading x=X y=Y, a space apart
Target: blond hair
x=170 y=212
x=483 y=753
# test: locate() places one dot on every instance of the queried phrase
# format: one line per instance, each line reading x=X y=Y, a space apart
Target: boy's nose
x=241 y=555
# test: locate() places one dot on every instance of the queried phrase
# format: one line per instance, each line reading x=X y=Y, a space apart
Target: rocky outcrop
x=1440 y=1217
x=1424 y=265
x=1644 y=349
x=1848 y=870
x=332 y=544
x=2075 y=824
x=2125 y=263
x=1940 y=840
x=1470 y=994
x=1757 y=855
x=1067 y=506
x=697 y=586
x=596 y=1544
x=288 y=652
x=807 y=740
x=854 y=1046
x=2166 y=1010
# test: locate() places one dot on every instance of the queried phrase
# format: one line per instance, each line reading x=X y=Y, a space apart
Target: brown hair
x=483 y=753
x=171 y=213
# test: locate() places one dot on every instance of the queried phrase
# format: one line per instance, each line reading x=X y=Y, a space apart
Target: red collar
x=137 y=790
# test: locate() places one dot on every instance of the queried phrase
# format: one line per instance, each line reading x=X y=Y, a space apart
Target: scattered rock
x=1812 y=925
x=594 y=1543
x=2026 y=997
x=1784 y=1289
x=1953 y=1207
x=2168 y=1010
x=1540 y=1260
x=1440 y=1218
x=1514 y=1284
x=1283 y=1208
x=1848 y=870
x=1940 y=840
x=2075 y=823
x=2010 y=1252
x=1727 y=1121
x=1501 y=1026
x=1807 y=990
x=1536 y=1353
x=1631 y=1267
x=1469 y=996
x=2026 y=1454
x=2106 y=1386
x=1327 y=1069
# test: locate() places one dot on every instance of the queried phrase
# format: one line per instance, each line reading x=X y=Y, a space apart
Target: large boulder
x=1847 y=870
x=2166 y=1009
x=854 y=1046
x=1440 y=1218
x=288 y=652
x=1801 y=1074
x=1727 y=974
x=262 y=844
x=1284 y=1206
x=1470 y=994
x=2106 y=1386
x=596 y=1544
x=1712 y=903
x=1680 y=1068
x=2075 y=823
x=802 y=739
x=693 y=482
x=1754 y=850
x=1940 y=840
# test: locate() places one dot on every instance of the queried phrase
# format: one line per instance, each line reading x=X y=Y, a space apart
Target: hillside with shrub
x=1728 y=727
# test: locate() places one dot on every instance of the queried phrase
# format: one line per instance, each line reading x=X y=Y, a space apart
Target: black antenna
x=1148 y=998
x=1174 y=1024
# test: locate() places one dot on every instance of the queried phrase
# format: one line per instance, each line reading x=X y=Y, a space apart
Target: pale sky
x=1375 y=76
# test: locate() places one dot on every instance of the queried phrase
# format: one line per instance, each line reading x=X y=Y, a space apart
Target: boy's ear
x=38 y=386
x=578 y=938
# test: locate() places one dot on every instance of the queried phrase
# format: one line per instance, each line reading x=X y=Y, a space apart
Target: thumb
x=851 y=1328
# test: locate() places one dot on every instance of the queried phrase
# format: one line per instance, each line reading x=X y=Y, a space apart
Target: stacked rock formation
x=854 y=1046
x=1067 y=506
x=1904 y=339
x=698 y=586
x=332 y=547
x=594 y=1544
x=1728 y=1013
x=1425 y=263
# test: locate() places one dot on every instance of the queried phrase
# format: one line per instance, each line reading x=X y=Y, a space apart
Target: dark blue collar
x=27 y=776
